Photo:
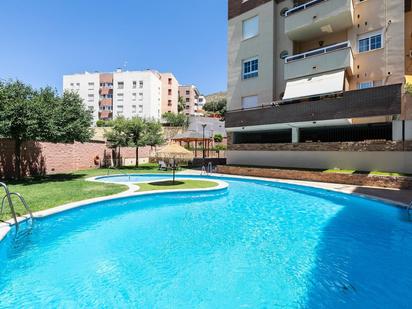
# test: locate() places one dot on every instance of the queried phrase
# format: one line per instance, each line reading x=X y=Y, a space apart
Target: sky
x=41 y=40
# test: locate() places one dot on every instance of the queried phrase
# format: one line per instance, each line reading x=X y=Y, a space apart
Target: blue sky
x=42 y=40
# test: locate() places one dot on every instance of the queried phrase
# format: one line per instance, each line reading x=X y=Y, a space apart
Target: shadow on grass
x=46 y=179
x=166 y=183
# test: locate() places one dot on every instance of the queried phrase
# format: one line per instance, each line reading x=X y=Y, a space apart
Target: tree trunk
x=17 y=158
x=137 y=156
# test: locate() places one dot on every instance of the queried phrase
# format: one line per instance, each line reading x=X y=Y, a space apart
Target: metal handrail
x=6 y=189
x=319 y=51
x=22 y=200
x=303 y=7
x=10 y=202
x=409 y=210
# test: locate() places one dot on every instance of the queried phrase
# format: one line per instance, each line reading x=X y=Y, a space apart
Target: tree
x=181 y=104
x=135 y=128
x=408 y=88
x=218 y=107
x=40 y=115
x=117 y=136
x=218 y=138
x=176 y=120
x=153 y=134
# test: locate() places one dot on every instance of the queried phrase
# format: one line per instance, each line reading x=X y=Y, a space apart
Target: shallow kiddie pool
x=256 y=244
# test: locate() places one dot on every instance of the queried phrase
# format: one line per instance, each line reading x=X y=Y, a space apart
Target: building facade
x=170 y=93
x=190 y=96
x=147 y=94
x=320 y=84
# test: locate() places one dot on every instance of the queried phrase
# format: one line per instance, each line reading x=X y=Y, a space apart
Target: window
x=187 y=92
x=250 y=68
x=90 y=97
x=120 y=85
x=370 y=41
x=250 y=101
x=369 y=84
x=120 y=108
x=134 y=85
x=250 y=27
x=169 y=102
x=120 y=97
x=134 y=109
x=187 y=99
x=134 y=96
x=140 y=96
x=91 y=86
x=140 y=109
x=169 y=92
x=365 y=85
x=170 y=81
x=141 y=84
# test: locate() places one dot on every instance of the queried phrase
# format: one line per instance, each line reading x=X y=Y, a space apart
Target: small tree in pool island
x=27 y=114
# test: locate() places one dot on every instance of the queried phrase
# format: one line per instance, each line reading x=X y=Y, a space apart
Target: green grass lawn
x=179 y=184
x=55 y=190
x=339 y=171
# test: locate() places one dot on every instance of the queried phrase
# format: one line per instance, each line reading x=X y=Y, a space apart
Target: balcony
x=371 y=102
x=326 y=59
x=317 y=18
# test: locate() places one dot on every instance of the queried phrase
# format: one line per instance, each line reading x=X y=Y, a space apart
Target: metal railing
x=319 y=51
x=11 y=205
x=409 y=211
x=303 y=7
x=207 y=170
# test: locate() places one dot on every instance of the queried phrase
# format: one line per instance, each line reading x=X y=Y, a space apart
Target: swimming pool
x=257 y=244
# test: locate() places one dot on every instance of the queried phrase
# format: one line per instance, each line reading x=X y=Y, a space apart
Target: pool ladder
x=207 y=170
x=10 y=202
x=409 y=211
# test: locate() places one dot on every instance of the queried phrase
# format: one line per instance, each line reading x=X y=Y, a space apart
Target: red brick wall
x=50 y=158
x=349 y=179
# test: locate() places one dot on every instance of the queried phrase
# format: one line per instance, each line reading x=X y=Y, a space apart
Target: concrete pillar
x=397 y=130
x=408 y=130
x=295 y=135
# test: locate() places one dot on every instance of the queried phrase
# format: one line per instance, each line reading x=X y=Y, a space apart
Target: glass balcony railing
x=303 y=7
x=318 y=51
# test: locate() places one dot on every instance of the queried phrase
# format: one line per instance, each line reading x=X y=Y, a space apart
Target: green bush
x=218 y=138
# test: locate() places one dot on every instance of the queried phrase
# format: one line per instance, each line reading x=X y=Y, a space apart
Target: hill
x=215 y=97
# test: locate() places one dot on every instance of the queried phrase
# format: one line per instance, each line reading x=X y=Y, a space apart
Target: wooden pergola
x=189 y=137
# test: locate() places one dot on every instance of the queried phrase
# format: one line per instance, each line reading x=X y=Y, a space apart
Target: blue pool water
x=256 y=244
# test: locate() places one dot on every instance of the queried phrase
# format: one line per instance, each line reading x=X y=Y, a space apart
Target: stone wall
x=40 y=158
x=350 y=179
x=338 y=146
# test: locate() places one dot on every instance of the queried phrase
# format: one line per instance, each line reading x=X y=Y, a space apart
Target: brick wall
x=39 y=158
x=350 y=179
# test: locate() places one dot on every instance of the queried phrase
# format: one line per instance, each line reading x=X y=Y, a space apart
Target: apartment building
x=147 y=94
x=320 y=84
x=190 y=96
x=170 y=93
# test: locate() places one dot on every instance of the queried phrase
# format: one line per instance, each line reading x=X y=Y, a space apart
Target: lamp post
x=203 y=127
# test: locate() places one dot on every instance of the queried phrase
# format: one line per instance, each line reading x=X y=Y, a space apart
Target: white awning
x=315 y=85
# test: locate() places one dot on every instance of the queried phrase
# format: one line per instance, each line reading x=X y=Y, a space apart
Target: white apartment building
x=125 y=93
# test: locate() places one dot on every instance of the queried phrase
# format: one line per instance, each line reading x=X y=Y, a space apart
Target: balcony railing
x=318 y=51
x=371 y=102
x=303 y=7
x=317 y=18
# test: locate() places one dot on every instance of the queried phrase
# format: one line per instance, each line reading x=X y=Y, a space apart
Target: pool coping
x=6 y=226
